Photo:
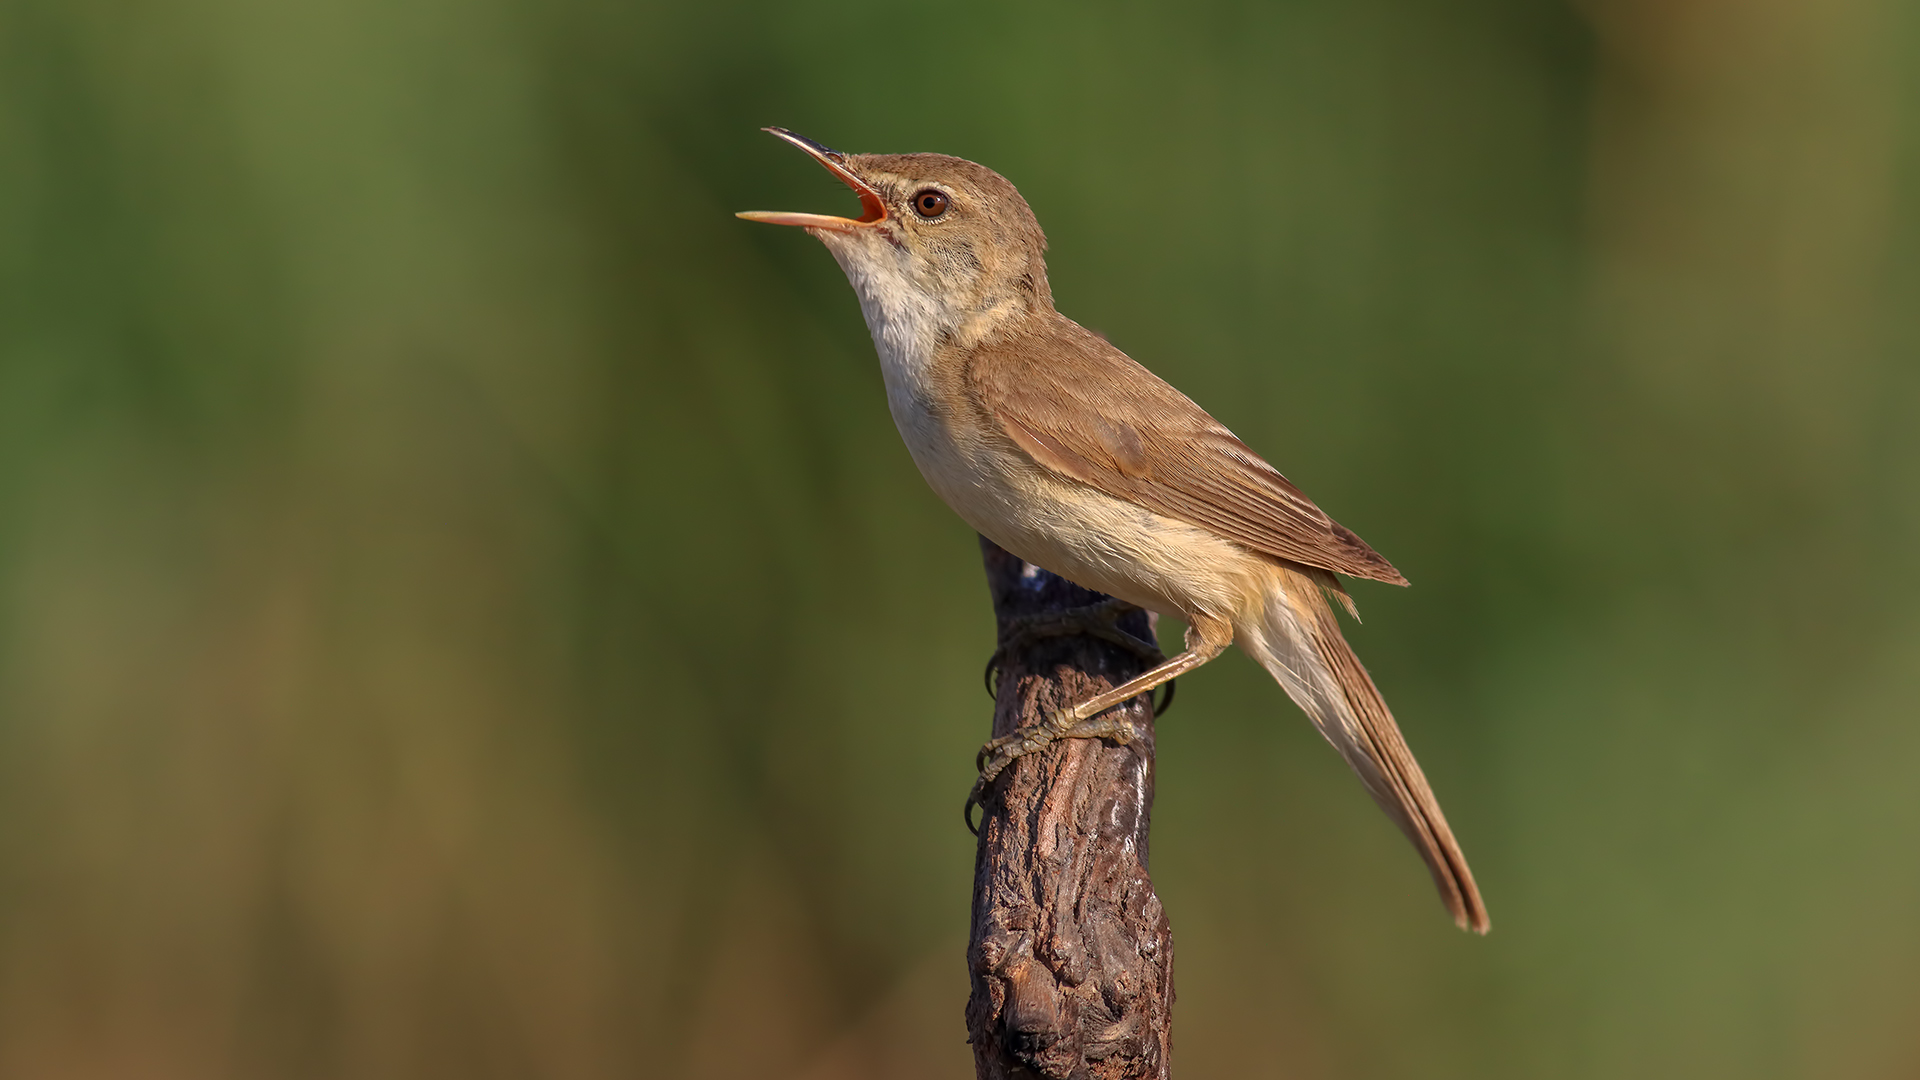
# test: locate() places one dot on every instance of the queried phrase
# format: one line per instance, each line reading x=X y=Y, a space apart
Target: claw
x=1098 y=621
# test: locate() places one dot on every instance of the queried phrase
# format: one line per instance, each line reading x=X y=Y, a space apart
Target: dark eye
x=930 y=203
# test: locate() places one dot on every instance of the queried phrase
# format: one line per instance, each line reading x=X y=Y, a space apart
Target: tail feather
x=1298 y=640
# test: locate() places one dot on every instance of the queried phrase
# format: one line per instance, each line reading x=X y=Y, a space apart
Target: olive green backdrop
x=465 y=611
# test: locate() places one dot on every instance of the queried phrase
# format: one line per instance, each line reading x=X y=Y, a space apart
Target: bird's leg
x=1083 y=721
x=1206 y=639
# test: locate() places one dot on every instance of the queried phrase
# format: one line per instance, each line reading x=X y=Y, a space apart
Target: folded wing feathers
x=1146 y=442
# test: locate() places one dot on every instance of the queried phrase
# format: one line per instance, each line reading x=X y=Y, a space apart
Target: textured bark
x=1071 y=954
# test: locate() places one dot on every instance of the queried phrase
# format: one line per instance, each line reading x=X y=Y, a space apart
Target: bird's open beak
x=873 y=210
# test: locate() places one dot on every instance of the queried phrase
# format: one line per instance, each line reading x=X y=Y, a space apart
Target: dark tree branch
x=1071 y=954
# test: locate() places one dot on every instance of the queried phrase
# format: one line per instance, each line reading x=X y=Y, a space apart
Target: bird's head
x=942 y=234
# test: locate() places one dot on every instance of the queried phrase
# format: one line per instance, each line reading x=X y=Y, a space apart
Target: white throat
x=904 y=320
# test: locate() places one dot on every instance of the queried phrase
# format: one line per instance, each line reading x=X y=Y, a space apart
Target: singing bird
x=1060 y=448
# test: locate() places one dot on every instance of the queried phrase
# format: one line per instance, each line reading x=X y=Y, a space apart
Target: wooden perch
x=1071 y=955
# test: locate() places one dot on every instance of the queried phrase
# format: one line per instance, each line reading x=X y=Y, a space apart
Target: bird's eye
x=930 y=203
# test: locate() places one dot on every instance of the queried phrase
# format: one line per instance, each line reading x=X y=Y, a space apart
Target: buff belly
x=1104 y=543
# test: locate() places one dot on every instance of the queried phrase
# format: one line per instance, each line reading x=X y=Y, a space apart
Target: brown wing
x=1144 y=441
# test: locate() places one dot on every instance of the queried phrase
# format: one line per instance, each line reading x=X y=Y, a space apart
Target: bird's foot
x=995 y=756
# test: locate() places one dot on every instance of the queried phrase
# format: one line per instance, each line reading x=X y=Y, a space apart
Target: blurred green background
x=465 y=611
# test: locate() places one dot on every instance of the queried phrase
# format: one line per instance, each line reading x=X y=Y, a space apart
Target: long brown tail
x=1299 y=642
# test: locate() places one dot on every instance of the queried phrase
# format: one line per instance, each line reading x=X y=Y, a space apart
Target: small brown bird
x=1061 y=449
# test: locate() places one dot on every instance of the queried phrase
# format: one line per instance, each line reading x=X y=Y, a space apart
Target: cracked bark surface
x=1071 y=955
